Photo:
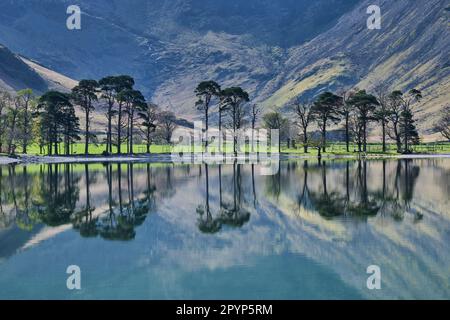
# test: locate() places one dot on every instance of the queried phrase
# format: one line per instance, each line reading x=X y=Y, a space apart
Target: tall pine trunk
x=305 y=140
x=119 y=130
x=108 y=134
x=206 y=129
x=364 y=135
x=324 y=136
x=405 y=125
x=220 y=133
x=234 y=131
x=131 y=130
x=347 y=133
x=27 y=130
x=148 y=140
x=397 y=138
x=86 y=137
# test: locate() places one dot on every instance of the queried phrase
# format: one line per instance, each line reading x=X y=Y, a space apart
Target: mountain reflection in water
x=223 y=231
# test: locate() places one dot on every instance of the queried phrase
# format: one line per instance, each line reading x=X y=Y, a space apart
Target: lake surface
x=166 y=231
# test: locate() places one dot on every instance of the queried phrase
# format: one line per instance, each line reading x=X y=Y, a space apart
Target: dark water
x=162 y=231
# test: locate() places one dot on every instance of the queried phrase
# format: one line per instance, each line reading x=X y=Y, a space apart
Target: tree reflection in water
x=231 y=213
x=351 y=196
x=235 y=215
x=84 y=221
x=121 y=221
x=206 y=222
x=50 y=195
x=366 y=205
x=57 y=196
x=328 y=204
x=111 y=200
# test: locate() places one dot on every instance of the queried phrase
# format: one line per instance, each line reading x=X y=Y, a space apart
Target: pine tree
x=326 y=111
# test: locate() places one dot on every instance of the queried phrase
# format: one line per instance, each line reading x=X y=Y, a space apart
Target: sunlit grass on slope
x=319 y=74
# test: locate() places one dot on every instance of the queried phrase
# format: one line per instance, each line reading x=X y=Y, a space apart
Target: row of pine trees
x=356 y=109
x=51 y=120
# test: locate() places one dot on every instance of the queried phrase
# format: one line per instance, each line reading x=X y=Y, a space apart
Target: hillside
x=54 y=80
x=18 y=73
x=411 y=50
x=274 y=49
x=168 y=45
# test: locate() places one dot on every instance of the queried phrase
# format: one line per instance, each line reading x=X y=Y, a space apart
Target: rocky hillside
x=411 y=50
x=274 y=49
x=168 y=45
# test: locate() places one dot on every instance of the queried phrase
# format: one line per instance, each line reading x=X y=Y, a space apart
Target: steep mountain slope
x=168 y=45
x=18 y=73
x=274 y=49
x=55 y=80
x=410 y=50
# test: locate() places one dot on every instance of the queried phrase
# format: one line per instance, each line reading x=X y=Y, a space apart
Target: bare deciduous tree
x=167 y=125
x=305 y=117
x=443 y=124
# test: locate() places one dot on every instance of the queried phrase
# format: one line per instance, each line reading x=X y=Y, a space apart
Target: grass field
x=332 y=149
x=98 y=149
x=376 y=148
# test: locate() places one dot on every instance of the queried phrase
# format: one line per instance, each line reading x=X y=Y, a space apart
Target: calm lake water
x=165 y=231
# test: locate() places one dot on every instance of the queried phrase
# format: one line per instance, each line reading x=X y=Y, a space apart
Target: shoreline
x=167 y=158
